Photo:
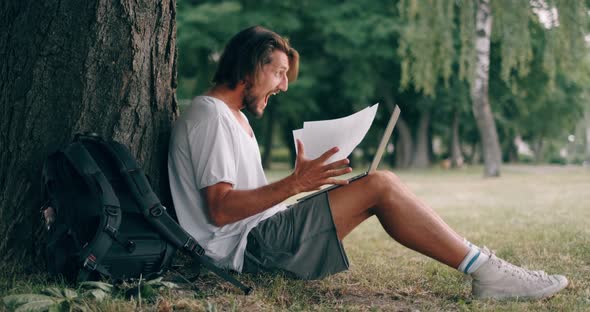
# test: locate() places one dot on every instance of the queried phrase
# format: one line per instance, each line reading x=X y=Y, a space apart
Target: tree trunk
x=587 y=114
x=456 y=154
x=422 y=152
x=512 y=153
x=65 y=67
x=404 y=145
x=267 y=144
x=474 y=156
x=479 y=92
x=538 y=148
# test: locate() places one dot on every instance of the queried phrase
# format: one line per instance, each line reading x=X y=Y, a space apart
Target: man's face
x=270 y=80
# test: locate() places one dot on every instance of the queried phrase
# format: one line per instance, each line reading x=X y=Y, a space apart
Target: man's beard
x=249 y=101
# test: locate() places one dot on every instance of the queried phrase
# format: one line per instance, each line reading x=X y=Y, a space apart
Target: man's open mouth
x=267 y=97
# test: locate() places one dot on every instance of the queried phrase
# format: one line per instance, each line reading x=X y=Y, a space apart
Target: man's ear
x=249 y=80
x=242 y=84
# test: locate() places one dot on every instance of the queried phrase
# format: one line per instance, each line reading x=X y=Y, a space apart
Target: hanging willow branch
x=430 y=46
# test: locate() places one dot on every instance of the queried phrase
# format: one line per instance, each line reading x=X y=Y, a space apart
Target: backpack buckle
x=130 y=246
x=48 y=214
x=111 y=230
x=192 y=245
x=200 y=250
x=90 y=262
x=156 y=211
x=111 y=210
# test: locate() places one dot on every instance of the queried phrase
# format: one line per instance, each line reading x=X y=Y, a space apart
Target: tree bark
x=479 y=92
x=404 y=145
x=538 y=149
x=587 y=115
x=422 y=152
x=474 y=156
x=68 y=67
x=457 y=159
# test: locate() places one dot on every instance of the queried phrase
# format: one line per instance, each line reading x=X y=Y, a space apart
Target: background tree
x=427 y=52
x=541 y=108
x=68 y=67
x=482 y=111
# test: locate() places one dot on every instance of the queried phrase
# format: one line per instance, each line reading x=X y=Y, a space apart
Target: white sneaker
x=501 y=280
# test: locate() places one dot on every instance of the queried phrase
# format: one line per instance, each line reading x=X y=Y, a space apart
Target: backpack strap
x=49 y=177
x=92 y=254
x=156 y=214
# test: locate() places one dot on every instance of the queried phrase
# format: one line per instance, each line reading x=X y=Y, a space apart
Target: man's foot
x=501 y=280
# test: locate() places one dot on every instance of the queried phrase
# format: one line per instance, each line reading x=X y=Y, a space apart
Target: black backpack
x=104 y=220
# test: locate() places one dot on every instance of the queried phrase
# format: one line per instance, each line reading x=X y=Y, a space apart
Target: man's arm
x=227 y=205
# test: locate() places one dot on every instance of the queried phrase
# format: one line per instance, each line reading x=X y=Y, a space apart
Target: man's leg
x=402 y=214
x=413 y=224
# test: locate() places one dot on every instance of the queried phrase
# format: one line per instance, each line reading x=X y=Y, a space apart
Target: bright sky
x=549 y=17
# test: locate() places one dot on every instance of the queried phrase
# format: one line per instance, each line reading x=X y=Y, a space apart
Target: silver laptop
x=376 y=158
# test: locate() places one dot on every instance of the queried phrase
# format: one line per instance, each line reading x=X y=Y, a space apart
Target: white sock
x=473 y=260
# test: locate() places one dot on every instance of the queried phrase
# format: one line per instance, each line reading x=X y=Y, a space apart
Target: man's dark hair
x=248 y=51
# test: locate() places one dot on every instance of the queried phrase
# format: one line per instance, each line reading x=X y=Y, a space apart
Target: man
x=223 y=199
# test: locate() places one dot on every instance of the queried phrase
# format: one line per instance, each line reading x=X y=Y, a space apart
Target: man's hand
x=310 y=175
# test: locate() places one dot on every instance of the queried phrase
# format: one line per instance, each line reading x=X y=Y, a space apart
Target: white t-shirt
x=209 y=146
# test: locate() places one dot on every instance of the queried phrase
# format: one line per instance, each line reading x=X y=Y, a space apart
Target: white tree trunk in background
x=482 y=111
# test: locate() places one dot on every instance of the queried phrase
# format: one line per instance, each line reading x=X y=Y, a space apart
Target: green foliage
x=467 y=38
x=426 y=40
x=51 y=299
x=198 y=42
x=538 y=71
x=511 y=29
x=67 y=299
x=29 y=302
x=426 y=45
x=537 y=106
x=566 y=39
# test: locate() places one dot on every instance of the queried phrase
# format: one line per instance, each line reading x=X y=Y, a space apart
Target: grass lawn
x=536 y=217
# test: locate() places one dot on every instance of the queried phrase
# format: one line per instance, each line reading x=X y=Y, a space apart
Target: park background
x=419 y=55
x=501 y=151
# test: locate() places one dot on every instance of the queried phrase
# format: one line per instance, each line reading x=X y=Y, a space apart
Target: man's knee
x=384 y=181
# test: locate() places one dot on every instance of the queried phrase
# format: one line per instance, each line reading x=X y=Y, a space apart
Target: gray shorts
x=301 y=241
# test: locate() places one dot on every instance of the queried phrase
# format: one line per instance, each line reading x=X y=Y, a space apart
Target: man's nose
x=284 y=84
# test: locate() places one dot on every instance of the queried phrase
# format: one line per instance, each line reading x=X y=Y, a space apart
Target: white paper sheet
x=345 y=133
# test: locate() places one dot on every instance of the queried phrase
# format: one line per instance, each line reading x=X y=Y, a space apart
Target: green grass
x=537 y=217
